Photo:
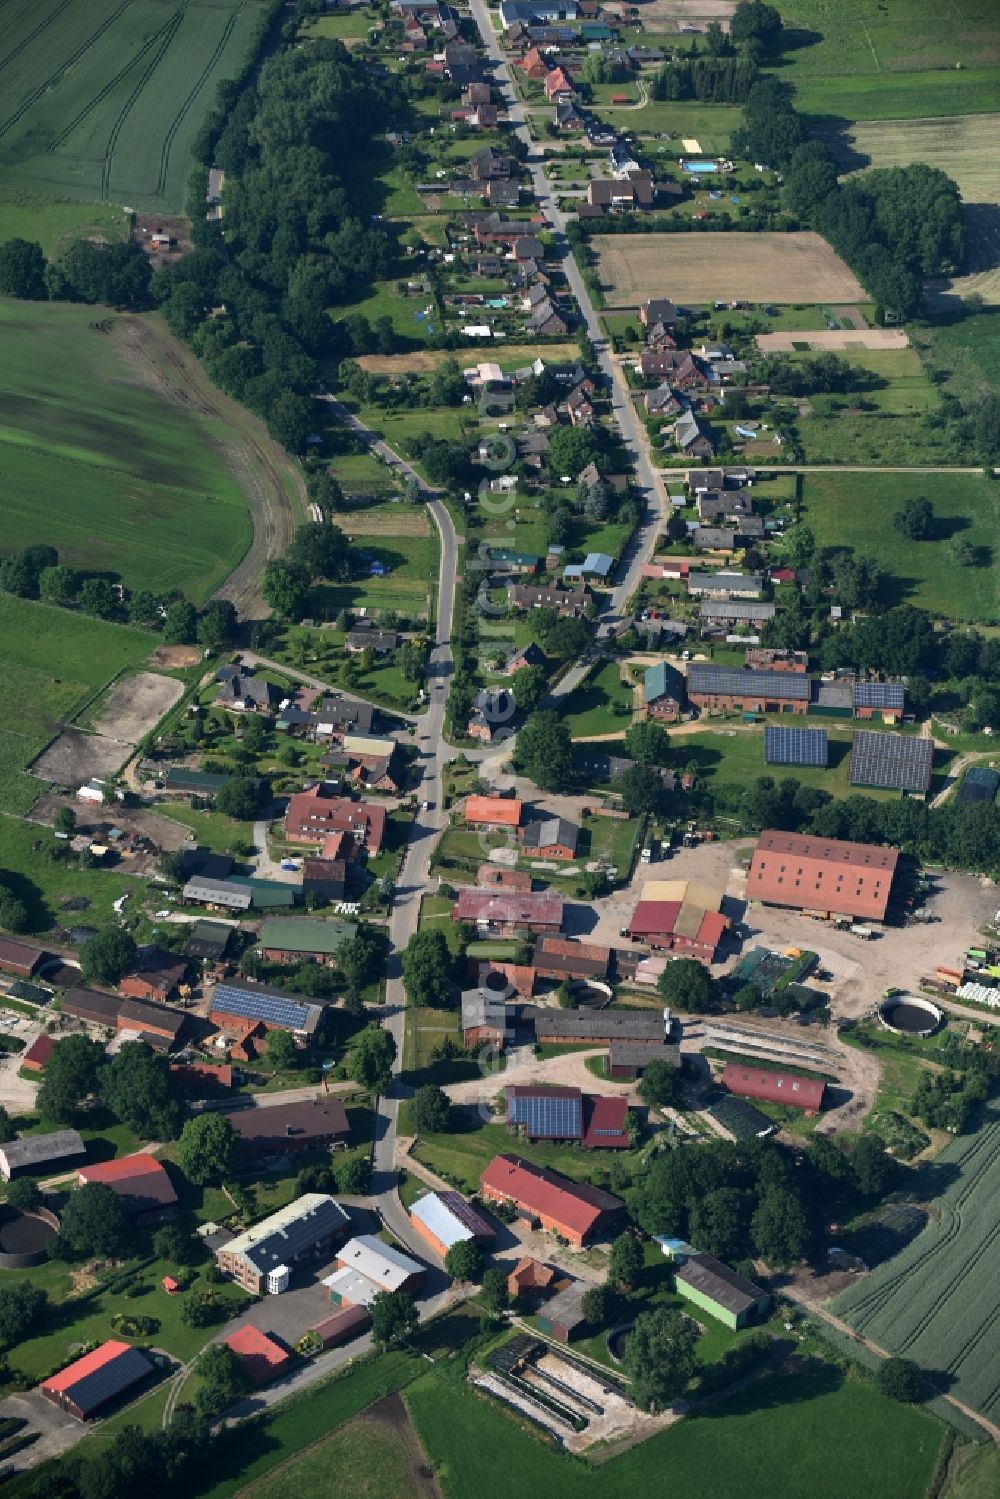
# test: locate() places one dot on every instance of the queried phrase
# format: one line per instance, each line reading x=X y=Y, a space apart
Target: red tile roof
x=529 y=1274
x=510 y=907
x=495 y=809
x=138 y=1176
x=573 y=1205
x=605 y=1127
x=654 y=918
x=821 y=874
x=774 y=1087
x=38 y=1052
x=314 y=813
x=263 y=1357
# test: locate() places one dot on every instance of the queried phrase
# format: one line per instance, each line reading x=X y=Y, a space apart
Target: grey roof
x=481 y=1008
x=450 y=1218
x=878 y=695
x=287 y=1011
x=30 y=1151
x=735 y=609
x=218 y=893
x=551 y=830
x=287 y=1233
x=566 y=1307
x=704 y=1273
x=714 y=538
x=582 y=1025
x=742 y=584
x=729 y=681
x=208 y=939
x=633 y=1054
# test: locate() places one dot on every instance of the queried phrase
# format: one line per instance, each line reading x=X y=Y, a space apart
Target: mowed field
x=856 y=510
x=965 y=147
x=51 y=662
x=936 y=1301
x=700 y=267
x=99 y=465
x=102 y=99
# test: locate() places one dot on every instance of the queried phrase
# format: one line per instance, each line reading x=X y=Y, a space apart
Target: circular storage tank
x=591 y=994
x=24 y=1237
x=910 y=1015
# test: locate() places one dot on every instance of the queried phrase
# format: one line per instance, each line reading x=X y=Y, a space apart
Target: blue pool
x=698 y=168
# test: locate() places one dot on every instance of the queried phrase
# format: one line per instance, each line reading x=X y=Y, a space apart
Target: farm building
x=884 y=700
x=203 y=890
x=663 y=692
x=366 y=1267
x=626 y=1059
x=550 y=838
x=774 y=1087
x=261 y=1356
x=550 y=1113
x=342 y=1326
x=736 y=689
x=261 y=1258
x=155 y=976
x=33 y=1154
x=290 y=1128
x=529 y=1277
x=202 y=1079
x=741 y=1119
x=445 y=1219
x=86 y=1386
x=507 y=912
x=237 y=1002
x=892 y=762
x=208 y=940
x=20 y=958
x=602 y=1027
x=314 y=813
x=493 y=811
x=680 y=916
x=141 y=1181
x=577 y=1211
x=296 y=939
x=38 y=1053
x=826 y=876
x=716 y=614
x=979 y=784
x=562 y=1317
x=712 y=1286
x=561 y=958
x=485 y=1018
x=726 y=585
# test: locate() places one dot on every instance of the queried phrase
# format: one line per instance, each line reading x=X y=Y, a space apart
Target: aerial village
x=548 y=924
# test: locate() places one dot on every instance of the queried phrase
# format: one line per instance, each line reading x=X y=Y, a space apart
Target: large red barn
x=774 y=1087
x=824 y=875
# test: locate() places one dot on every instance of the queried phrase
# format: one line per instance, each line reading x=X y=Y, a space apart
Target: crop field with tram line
x=700 y=267
x=102 y=99
x=935 y=1301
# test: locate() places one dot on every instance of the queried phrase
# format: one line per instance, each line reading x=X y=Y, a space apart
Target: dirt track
x=834 y=338
x=263 y=470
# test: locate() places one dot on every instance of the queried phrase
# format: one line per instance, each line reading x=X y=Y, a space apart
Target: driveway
x=58 y=1431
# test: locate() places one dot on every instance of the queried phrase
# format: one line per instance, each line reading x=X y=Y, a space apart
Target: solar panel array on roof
x=893 y=761
x=550 y=1116
x=732 y=681
x=261 y=1006
x=878 y=695
x=783 y=746
x=979 y=784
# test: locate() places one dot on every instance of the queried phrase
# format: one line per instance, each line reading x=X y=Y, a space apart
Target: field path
x=264 y=471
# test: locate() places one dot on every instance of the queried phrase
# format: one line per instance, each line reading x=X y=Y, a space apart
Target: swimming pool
x=698 y=168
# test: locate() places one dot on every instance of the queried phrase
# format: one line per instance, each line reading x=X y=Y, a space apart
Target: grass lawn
x=53 y=222
x=590 y=708
x=213 y=830
x=896 y=96
x=829 y=39
x=736 y=756
x=907 y=391
x=361 y=473
x=965 y=353
x=861 y=507
x=45 y=885
x=783 y=1437
x=372 y=1460
x=346 y=26
x=99 y=465
x=711 y=124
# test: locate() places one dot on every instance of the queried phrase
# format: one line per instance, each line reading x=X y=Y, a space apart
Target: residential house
x=658 y=335
x=500 y=192
x=550 y=838
x=568 y=116
x=663 y=692
x=493 y=811
x=508 y=912
x=318 y=811
x=654 y=362
x=727 y=585
x=368 y=637
x=527 y=248
x=728 y=614
x=525 y=655
x=635 y=191
x=533 y=64
x=664 y=401
x=261 y=1259
x=557 y=85
x=494 y=712
x=486 y=164
x=242 y=692
x=658 y=310
x=713 y=539
x=565 y=601
x=692 y=438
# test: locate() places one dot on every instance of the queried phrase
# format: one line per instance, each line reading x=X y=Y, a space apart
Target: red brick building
x=20 y=958
x=732 y=689
x=155 y=976
x=560 y=958
x=315 y=813
x=824 y=876
x=262 y=1357
x=91 y=1382
x=774 y=1087
x=507 y=912
x=575 y=1210
x=141 y=1181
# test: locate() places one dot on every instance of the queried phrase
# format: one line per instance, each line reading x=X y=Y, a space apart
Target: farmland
x=934 y=1301
x=106 y=98
x=857 y=509
x=54 y=222
x=699 y=267
x=114 y=471
x=52 y=661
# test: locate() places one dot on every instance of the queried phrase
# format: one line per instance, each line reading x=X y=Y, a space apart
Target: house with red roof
x=315 y=813
x=577 y=1211
x=493 y=811
x=141 y=1182
x=262 y=1357
x=504 y=913
x=682 y=916
x=558 y=86
x=90 y=1383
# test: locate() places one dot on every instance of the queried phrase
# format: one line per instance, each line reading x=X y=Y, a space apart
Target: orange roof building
x=139 y=1180
x=84 y=1387
x=529 y=1276
x=263 y=1357
x=36 y=1057
x=494 y=811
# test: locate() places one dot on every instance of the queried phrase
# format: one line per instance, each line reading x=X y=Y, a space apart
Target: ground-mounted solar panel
x=979 y=784
x=893 y=762
x=787 y=746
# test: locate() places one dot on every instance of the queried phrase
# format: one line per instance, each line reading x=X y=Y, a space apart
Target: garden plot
x=835 y=339
x=780 y=268
x=935 y=1301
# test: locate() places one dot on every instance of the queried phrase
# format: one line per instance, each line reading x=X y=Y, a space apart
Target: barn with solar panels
x=784 y=746
x=892 y=762
x=979 y=784
x=546 y=1113
x=235 y=1003
x=725 y=689
x=884 y=700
